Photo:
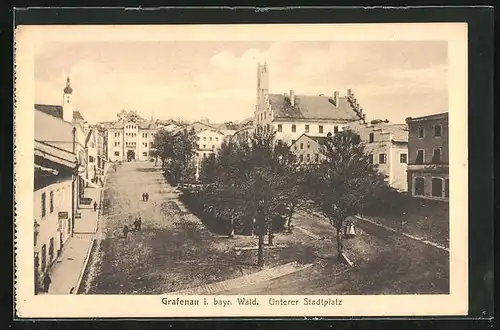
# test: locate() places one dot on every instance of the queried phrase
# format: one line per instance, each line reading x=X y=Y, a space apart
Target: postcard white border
x=41 y=306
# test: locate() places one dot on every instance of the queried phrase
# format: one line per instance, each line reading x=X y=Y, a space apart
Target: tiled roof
x=147 y=125
x=320 y=139
x=50 y=129
x=53 y=110
x=399 y=132
x=312 y=107
x=443 y=115
x=77 y=115
x=227 y=132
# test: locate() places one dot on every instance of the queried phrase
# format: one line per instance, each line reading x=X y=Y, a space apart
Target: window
x=371 y=138
x=436 y=156
x=44 y=210
x=210 y=139
x=335 y=129
x=421 y=133
x=308 y=145
x=145 y=154
x=216 y=139
x=420 y=156
x=419 y=187
x=280 y=128
x=204 y=146
x=370 y=158
x=447 y=188
x=437 y=187
x=44 y=257
x=51 y=202
x=213 y=146
x=146 y=144
x=316 y=158
x=51 y=249
x=382 y=158
x=320 y=128
x=301 y=158
x=117 y=153
x=294 y=128
x=264 y=115
x=204 y=138
x=437 y=130
x=307 y=129
x=403 y=158
x=302 y=146
x=308 y=157
x=91 y=159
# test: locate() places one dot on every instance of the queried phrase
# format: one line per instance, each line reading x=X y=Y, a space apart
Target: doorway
x=130 y=155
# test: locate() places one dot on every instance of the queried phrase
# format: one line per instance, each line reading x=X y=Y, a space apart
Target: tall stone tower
x=68 y=102
x=262 y=84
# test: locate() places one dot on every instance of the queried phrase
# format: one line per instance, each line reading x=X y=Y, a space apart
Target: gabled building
x=291 y=115
x=309 y=149
x=428 y=156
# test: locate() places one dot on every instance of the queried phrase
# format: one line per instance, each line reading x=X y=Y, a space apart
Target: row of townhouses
x=69 y=157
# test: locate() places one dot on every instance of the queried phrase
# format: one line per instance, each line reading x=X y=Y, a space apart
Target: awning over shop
x=90 y=183
x=46 y=169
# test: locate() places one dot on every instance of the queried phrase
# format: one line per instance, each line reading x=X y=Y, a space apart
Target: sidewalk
x=67 y=272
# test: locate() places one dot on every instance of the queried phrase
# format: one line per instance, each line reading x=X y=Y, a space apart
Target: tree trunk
x=270 y=234
x=340 y=244
x=231 y=229
x=260 y=253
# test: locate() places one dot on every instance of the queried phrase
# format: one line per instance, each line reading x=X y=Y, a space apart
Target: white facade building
x=130 y=141
x=291 y=115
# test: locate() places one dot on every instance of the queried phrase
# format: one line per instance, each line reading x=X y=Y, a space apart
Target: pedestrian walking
x=95 y=206
x=139 y=223
x=147 y=197
x=125 y=231
x=47 y=281
x=143 y=197
x=136 y=224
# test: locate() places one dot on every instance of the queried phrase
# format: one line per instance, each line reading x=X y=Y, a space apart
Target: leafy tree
x=251 y=182
x=208 y=169
x=124 y=116
x=176 y=152
x=346 y=182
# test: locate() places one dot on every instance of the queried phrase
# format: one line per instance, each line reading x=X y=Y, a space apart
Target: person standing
x=147 y=197
x=143 y=197
x=95 y=206
x=47 y=281
x=139 y=223
x=125 y=231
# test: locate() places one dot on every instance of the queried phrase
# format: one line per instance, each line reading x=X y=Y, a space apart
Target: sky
x=217 y=80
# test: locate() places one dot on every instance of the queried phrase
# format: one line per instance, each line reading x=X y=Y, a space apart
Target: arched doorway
x=130 y=155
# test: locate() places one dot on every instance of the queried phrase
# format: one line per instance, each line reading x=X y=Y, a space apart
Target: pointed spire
x=68 y=89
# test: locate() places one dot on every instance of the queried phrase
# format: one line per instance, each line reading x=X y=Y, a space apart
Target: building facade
x=291 y=115
x=209 y=143
x=428 y=156
x=55 y=191
x=309 y=149
x=388 y=146
x=130 y=141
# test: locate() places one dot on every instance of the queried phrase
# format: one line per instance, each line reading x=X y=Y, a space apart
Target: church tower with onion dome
x=68 y=102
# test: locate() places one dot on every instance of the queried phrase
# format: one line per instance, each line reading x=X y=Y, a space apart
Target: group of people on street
x=145 y=197
x=136 y=226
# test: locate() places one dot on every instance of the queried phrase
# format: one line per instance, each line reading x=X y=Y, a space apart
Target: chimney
x=292 y=97
x=336 y=98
